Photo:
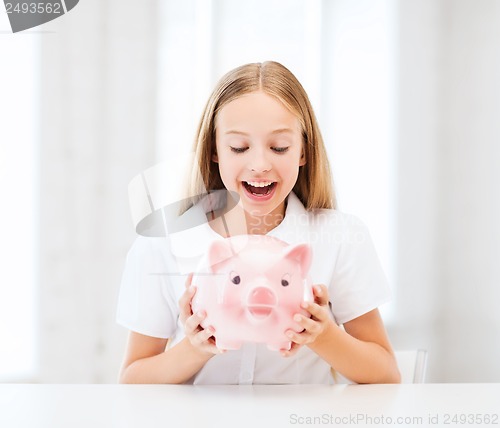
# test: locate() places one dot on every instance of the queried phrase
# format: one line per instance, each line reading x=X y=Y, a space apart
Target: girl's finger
x=203 y=335
x=205 y=341
x=292 y=351
x=188 y=280
x=192 y=323
x=299 y=338
x=309 y=324
x=188 y=292
x=320 y=294
x=315 y=310
x=185 y=303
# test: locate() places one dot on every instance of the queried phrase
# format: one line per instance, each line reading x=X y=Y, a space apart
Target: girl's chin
x=257 y=210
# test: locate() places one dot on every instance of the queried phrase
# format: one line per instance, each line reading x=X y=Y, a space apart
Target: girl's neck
x=239 y=222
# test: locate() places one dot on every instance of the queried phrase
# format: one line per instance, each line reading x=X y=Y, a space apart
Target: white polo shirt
x=344 y=259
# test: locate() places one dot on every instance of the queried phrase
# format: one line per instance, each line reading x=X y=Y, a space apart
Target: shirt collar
x=194 y=241
x=294 y=227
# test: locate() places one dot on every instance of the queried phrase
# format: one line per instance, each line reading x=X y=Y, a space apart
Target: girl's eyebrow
x=276 y=131
x=282 y=131
x=233 y=131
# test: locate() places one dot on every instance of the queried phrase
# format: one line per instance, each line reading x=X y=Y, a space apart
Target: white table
x=72 y=406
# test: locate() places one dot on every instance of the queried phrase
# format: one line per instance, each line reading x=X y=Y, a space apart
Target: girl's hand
x=201 y=339
x=314 y=326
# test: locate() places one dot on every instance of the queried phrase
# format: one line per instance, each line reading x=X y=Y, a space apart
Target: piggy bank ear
x=301 y=254
x=219 y=252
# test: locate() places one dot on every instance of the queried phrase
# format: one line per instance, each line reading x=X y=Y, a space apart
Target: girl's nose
x=259 y=162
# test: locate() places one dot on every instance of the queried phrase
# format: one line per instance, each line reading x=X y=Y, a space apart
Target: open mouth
x=259 y=188
x=260 y=311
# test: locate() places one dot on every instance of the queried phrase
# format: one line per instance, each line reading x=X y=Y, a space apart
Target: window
x=360 y=119
x=18 y=172
x=343 y=52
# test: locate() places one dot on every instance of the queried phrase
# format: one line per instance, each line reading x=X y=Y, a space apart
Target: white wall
x=417 y=289
x=99 y=116
x=98 y=131
x=449 y=202
x=469 y=191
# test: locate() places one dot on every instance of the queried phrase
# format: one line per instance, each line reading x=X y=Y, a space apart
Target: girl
x=261 y=157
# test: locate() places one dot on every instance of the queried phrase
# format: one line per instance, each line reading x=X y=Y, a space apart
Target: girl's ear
x=302 y=160
x=214 y=157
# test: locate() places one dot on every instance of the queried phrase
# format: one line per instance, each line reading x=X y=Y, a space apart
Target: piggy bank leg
x=230 y=345
x=279 y=345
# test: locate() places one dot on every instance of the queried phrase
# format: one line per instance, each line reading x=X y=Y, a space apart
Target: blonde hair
x=314 y=186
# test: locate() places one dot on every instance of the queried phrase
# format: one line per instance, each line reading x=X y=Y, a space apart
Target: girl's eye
x=280 y=149
x=238 y=149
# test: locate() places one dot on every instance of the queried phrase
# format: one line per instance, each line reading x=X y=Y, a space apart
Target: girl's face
x=259 y=151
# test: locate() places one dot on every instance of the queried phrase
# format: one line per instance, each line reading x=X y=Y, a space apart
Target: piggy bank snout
x=261 y=302
x=261 y=296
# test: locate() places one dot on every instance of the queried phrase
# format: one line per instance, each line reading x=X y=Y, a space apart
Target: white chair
x=412 y=365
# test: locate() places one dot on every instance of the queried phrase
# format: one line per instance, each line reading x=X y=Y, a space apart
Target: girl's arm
x=147 y=361
x=362 y=352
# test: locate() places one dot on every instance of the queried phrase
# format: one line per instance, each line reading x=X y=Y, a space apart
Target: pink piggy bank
x=250 y=287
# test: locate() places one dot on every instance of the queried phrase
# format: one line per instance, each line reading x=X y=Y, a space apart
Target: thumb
x=188 y=280
x=320 y=294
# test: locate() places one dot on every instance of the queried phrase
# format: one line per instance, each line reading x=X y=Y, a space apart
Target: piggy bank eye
x=235 y=278
x=285 y=281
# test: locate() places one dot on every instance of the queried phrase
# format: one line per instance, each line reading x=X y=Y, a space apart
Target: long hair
x=314 y=186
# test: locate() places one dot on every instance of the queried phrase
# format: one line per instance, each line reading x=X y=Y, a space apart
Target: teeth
x=261 y=184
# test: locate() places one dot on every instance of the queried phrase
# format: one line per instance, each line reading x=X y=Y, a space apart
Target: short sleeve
x=359 y=283
x=146 y=304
